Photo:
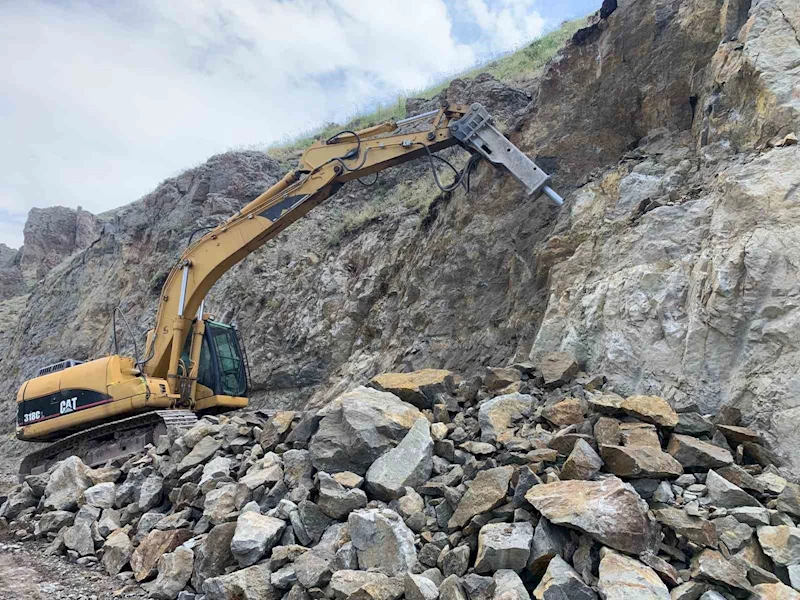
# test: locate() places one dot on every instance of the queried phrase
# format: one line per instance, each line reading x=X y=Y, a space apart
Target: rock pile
x=533 y=481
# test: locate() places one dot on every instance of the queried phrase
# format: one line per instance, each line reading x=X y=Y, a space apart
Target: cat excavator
x=112 y=407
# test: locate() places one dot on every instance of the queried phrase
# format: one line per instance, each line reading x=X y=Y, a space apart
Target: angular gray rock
x=456 y=561
x=101 y=495
x=408 y=464
x=452 y=589
x=724 y=494
x=624 y=578
x=781 y=544
x=51 y=522
x=640 y=461
x=220 y=503
x=79 y=538
x=255 y=534
x=582 y=463
x=418 y=587
x=789 y=499
x=315 y=567
x=487 y=491
x=213 y=555
x=503 y=546
x=69 y=479
x=697 y=454
x=358 y=427
x=174 y=572
x=309 y=523
x=252 y=583
x=508 y=586
x=201 y=452
x=117 y=551
x=383 y=541
x=609 y=510
x=561 y=582
x=150 y=492
x=711 y=566
x=337 y=501
x=346 y=582
x=495 y=415
x=548 y=541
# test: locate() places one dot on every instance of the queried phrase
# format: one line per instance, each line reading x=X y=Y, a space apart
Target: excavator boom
x=323 y=169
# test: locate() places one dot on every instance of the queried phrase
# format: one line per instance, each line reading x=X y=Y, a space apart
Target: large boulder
x=204 y=449
x=640 y=461
x=711 y=566
x=252 y=583
x=315 y=567
x=144 y=560
x=358 y=427
x=220 y=503
x=18 y=501
x=503 y=546
x=625 y=578
x=509 y=586
x=650 y=409
x=774 y=591
x=496 y=415
x=53 y=521
x=610 y=511
x=337 y=501
x=420 y=388
x=582 y=463
x=724 y=494
x=383 y=541
x=697 y=454
x=487 y=491
x=174 y=572
x=698 y=530
x=67 y=482
x=117 y=552
x=781 y=543
x=79 y=538
x=409 y=464
x=346 y=582
x=255 y=534
x=101 y=495
x=561 y=582
x=151 y=492
x=213 y=555
x=557 y=368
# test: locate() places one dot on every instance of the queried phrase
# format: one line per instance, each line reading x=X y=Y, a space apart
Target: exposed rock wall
x=672 y=267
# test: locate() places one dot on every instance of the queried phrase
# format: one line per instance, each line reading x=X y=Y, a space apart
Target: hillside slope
x=672 y=268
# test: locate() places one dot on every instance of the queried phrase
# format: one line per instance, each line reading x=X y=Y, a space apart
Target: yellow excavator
x=113 y=406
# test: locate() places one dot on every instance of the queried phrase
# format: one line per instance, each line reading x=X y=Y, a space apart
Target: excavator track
x=116 y=439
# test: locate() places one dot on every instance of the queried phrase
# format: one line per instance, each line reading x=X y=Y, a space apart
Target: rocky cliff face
x=671 y=268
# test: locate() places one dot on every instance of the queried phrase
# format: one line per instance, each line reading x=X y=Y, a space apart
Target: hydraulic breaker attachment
x=476 y=131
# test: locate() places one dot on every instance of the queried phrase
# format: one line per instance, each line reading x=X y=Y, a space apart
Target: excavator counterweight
x=193 y=364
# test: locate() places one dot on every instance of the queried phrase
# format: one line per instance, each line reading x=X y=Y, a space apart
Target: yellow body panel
x=115 y=377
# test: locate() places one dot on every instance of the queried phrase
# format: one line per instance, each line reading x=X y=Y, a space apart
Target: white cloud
x=506 y=23
x=101 y=101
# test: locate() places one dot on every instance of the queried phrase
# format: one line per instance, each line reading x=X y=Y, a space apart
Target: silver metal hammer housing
x=476 y=130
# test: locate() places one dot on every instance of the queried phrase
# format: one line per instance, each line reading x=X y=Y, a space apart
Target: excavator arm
x=323 y=169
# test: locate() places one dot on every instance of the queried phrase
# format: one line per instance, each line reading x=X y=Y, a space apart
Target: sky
x=102 y=100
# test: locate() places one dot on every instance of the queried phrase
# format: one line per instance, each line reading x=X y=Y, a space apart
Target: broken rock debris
x=526 y=485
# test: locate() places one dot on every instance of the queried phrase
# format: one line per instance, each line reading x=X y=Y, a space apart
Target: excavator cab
x=222 y=368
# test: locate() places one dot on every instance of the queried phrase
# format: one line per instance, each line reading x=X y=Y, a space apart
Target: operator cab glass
x=222 y=366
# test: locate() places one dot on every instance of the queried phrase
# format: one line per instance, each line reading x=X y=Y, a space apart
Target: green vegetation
x=515 y=67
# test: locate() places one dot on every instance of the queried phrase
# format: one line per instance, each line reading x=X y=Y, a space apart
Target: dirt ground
x=25 y=573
